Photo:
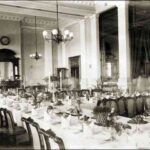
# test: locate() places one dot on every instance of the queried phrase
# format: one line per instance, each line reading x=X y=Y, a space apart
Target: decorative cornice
x=10 y=17
x=40 y=22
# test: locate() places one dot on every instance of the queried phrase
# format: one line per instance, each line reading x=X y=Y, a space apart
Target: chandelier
x=56 y=35
x=35 y=55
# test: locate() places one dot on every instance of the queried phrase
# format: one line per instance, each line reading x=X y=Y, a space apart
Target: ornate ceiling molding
x=10 y=17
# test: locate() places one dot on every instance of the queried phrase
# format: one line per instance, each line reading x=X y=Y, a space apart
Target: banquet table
x=82 y=136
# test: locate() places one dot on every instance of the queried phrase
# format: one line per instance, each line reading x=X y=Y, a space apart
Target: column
x=124 y=51
x=64 y=59
x=48 y=60
x=94 y=58
x=83 y=81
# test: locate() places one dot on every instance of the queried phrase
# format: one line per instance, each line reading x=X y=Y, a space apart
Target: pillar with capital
x=124 y=50
x=48 y=61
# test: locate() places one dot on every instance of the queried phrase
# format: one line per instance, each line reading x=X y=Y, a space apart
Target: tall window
x=139 y=20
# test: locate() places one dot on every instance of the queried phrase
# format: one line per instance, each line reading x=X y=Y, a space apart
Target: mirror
x=108 y=26
x=6 y=71
x=9 y=65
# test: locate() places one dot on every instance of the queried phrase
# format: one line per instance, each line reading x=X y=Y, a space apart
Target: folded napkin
x=88 y=128
x=39 y=112
x=16 y=105
x=91 y=100
x=3 y=101
x=67 y=97
x=9 y=102
x=34 y=112
x=73 y=120
x=69 y=102
x=24 y=107
x=65 y=122
x=51 y=117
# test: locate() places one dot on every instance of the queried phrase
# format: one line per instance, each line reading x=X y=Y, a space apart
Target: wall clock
x=5 y=40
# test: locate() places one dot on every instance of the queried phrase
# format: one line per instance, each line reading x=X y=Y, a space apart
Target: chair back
x=108 y=103
x=3 y=119
x=147 y=103
x=131 y=106
x=26 y=125
x=140 y=105
x=113 y=104
x=50 y=137
x=121 y=106
x=45 y=140
x=37 y=141
x=9 y=119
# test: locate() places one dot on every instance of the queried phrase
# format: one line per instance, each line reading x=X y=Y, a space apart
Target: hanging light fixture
x=35 y=55
x=56 y=35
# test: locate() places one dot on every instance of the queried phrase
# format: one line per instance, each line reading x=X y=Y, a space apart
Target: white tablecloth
x=99 y=138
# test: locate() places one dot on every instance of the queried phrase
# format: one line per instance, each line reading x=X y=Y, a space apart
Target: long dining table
x=89 y=136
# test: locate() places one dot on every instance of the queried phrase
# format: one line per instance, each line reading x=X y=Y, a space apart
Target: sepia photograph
x=74 y=74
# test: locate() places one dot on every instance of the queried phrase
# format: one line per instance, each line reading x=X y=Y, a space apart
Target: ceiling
x=69 y=11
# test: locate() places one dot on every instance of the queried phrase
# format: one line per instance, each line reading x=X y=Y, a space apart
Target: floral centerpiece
x=101 y=115
x=139 y=119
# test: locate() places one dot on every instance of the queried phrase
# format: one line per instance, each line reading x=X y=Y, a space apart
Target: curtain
x=140 y=52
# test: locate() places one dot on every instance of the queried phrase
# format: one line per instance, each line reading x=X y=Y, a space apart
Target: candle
x=60 y=74
x=49 y=81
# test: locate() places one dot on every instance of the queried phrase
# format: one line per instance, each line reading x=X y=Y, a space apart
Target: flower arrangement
x=99 y=109
x=101 y=114
x=139 y=119
x=119 y=127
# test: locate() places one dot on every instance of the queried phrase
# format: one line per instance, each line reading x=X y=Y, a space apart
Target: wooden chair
x=36 y=137
x=121 y=106
x=26 y=122
x=139 y=105
x=147 y=103
x=131 y=106
x=1 y=117
x=48 y=137
x=111 y=103
x=12 y=131
x=3 y=122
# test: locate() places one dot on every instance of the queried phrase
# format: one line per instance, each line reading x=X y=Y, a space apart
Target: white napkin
x=67 y=97
x=91 y=100
x=24 y=107
x=9 y=102
x=46 y=116
x=34 y=112
x=65 y=122
x=16 y=105
x=3 y=101
x=69 y=102
x=51 y=117
x=73 y=120
x=87 y=129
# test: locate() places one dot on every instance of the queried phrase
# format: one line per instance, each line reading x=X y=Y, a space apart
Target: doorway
x=74 y=63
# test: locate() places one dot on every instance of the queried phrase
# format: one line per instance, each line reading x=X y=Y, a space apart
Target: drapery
x=140 y=51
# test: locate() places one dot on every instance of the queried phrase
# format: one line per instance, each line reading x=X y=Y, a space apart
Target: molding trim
x=10 y=17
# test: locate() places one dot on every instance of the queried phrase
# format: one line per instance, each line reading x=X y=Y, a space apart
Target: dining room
x=74 y=75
